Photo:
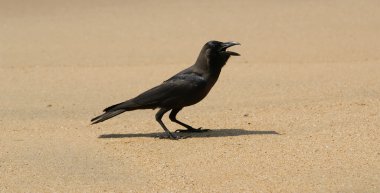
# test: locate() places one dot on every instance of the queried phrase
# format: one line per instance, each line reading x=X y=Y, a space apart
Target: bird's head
x=219 y=49
x=216 y=52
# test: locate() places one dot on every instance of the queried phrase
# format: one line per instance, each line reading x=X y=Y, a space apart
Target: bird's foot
x=192 y=130
x=171 y=136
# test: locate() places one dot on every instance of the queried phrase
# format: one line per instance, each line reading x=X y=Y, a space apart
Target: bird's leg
x=189 y=128
x=167 y=133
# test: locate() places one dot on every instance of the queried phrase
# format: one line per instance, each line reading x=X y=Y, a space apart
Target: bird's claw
x=192 y=130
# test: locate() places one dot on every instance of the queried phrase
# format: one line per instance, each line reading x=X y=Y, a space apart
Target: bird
x=185 y=88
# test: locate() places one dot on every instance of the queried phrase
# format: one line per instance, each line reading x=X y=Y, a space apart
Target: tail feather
x=106 y=115
x=111 y=107
x=115 y=110
x=127 y=105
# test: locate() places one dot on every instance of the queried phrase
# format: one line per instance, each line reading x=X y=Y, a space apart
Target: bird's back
x=181 y=90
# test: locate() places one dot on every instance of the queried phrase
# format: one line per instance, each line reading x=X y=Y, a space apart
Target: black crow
x=186 y=88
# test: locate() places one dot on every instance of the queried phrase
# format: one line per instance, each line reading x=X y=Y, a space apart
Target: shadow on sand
x=211 y=133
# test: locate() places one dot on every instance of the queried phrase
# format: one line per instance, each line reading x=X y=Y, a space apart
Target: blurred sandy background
x=297 y=112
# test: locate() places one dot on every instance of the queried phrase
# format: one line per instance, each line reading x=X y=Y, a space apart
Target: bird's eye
x=208 y=52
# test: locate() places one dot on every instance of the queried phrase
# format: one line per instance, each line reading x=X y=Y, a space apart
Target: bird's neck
x=202 y=63
x=205 y=66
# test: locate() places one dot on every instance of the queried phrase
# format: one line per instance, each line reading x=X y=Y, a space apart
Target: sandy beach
x=298 y=111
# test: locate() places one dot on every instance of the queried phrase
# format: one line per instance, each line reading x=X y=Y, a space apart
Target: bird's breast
x=201 y=93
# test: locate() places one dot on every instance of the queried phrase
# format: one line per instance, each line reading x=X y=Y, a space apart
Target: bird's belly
x=194 y=99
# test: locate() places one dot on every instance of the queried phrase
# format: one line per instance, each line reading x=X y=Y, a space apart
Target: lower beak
x=230 y=44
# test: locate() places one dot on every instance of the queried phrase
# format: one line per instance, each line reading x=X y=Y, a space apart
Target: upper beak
x=230 y=44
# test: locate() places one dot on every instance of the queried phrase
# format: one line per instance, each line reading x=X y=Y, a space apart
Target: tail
x=106 y=115
x=114 y=110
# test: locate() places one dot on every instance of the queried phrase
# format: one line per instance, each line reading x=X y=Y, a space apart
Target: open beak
x=227 y=45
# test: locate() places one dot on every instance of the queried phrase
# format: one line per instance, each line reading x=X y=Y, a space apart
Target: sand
x=297 y=112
